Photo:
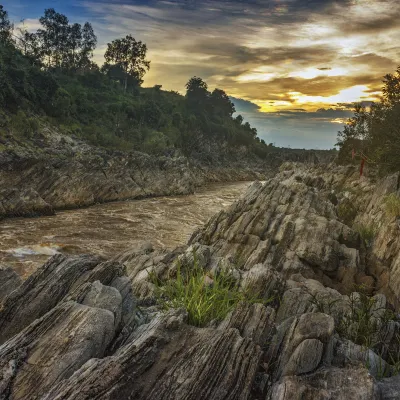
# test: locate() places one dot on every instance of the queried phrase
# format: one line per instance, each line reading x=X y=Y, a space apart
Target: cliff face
x=58 y=172
x=84 y=328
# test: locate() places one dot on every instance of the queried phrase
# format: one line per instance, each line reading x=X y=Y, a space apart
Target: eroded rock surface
x=324 y=326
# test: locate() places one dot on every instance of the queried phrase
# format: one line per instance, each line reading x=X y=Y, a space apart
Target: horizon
x=293 y=72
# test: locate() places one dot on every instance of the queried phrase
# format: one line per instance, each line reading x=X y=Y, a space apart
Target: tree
x=59 y=44
x=130 y=56
x=197 y=95
x=221 y=104
x=375 y=131
x=88 y=45
x=54 y=37
x=5 y=26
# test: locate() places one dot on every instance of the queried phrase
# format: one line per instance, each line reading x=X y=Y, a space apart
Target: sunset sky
x=293 y=65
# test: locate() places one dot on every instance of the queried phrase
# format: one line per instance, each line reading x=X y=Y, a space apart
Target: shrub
x=203 y=298
x=346 y=212
x=392 y=205
x=367 y=325
x=367 y=231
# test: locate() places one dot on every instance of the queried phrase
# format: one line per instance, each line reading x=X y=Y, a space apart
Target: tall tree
x=130 y=56
x=88 y=45
x=197 y=94
x=54 y=37
x=74 y=44
x=61 y=45
x=5 y=26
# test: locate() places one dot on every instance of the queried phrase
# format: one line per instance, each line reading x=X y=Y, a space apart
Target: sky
x=293 y=68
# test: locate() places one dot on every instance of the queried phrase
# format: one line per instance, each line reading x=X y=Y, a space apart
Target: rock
x=327 y=384
x=170 y=360
x=9 y=281
x=52 y=348
x=305 y=358
x=106 y=298
x=255 y=322
x=389 y=388
x=41 y=292
x=283 y=241
x=23 y=203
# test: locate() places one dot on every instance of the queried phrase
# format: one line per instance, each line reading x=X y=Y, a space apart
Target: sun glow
x=312 y=73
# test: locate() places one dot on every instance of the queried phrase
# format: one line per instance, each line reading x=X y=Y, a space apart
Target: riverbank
x=57 y=172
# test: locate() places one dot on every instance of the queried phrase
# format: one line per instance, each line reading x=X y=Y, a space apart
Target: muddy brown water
x=108 y=229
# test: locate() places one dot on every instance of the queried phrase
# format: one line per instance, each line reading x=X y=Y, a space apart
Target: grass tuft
x=367 y=231
x=392 y=205
x=205 y=299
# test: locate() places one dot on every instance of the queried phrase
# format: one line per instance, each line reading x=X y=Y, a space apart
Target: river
x=108 y=229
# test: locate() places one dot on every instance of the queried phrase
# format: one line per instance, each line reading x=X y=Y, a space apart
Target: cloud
x=292 y=66
x=242 y=105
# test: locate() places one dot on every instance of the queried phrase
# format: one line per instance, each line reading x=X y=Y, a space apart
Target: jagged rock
x=288 y=355
x=167 y=359
x=283 y=241
x=52 y=348
x=106 y=298
x=254 y=322
x=23 y=203
x=263 y=281
x=327 y=384
x=61 y=277
x=346 y=352
x=41 y=292
x=286 y=225
x=9 y=281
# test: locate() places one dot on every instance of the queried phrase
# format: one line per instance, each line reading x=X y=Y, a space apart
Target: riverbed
x=108 y=229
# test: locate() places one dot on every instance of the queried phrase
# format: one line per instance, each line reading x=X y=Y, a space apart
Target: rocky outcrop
x=60 y=172
x=321 y=325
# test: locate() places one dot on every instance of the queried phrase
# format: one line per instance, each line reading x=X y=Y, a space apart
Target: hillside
x=73 y=134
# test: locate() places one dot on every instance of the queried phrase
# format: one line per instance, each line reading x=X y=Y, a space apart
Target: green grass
x=361 y=325
x=205 y=299
x=366 y=231
x=392 y=205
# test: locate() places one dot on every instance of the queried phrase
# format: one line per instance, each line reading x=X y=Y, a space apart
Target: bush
x=366 y=231
x=367 y=325
x=392 y=205
x=203 y=298
x=346 y=212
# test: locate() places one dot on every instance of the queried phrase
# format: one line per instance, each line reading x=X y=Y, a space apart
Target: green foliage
x=375 y=131
x=5 y=26
x=366 y=231
x=203 y=298
x=129 y=57
x=366 y=324
x=23 y=126
x=392 y=205
x=346 y=212
x=58 y=44
x=50 y=74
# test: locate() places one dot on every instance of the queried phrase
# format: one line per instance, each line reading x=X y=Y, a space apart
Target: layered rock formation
x=323 y=327
x=59 y=172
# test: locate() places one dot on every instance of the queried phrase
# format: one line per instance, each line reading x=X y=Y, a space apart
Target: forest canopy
x=50 y=75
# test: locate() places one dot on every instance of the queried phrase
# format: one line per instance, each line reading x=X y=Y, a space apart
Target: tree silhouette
x=130 y=56
x=5 y=26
